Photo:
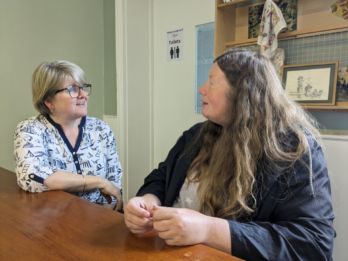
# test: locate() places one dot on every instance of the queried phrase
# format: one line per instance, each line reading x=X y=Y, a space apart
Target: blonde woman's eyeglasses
x=75 y=90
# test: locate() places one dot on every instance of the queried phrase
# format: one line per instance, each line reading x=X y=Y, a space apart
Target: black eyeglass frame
x=83 y=87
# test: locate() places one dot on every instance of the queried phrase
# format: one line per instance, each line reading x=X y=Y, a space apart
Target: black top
x=294 y=216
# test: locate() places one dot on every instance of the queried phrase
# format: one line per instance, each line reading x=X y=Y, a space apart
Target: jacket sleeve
x=167 y=173
x=300 y=224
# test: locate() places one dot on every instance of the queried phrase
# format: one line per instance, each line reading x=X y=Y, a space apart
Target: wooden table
x=56 y=225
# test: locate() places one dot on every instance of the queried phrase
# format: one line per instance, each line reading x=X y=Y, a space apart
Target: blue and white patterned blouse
x=41 y=148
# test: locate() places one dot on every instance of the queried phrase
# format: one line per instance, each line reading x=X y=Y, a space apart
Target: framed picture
x=289 y=11
x=342 y=87
x=311 y=84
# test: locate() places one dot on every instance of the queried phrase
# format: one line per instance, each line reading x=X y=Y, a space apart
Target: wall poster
x=174 y=45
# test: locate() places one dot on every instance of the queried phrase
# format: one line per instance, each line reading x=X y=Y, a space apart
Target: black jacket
x=290 y=222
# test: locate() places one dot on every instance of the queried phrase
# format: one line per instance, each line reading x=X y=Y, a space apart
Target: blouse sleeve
x=113 y=168
x=32 y=165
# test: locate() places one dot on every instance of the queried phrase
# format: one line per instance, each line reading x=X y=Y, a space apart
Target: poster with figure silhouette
x=174 y=45
x=313 y=84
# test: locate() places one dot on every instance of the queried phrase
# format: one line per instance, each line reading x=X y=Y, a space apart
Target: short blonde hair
x=48 y=77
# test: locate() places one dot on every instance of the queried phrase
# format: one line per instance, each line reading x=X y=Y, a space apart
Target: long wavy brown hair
x=262 y=118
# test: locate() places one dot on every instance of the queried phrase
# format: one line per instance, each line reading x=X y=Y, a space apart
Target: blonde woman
x=62 y=148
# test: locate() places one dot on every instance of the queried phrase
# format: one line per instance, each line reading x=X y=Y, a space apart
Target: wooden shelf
x=313 y=18
x=326 y=108
x=237 y=2
x=294 y=34
x=339 y=107
x=231 y=22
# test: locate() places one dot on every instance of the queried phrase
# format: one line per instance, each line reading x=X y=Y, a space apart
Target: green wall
x=109 y=58
x=44 y=30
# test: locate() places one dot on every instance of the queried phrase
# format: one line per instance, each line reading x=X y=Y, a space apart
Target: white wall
x=134 y=90
x=174 y=82
x=336 y=151
x=158 y=96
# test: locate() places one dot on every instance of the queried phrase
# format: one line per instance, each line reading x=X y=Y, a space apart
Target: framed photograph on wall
x=311 y=84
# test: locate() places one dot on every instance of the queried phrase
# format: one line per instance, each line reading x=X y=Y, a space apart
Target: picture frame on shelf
x=342 y=87
x=311 y=84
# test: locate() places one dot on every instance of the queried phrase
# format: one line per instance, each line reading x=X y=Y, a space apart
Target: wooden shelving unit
x=289 y=35
x=313 y=18
x=338 y=108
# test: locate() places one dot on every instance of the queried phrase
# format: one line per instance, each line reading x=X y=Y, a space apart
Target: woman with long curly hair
x=252 y=180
